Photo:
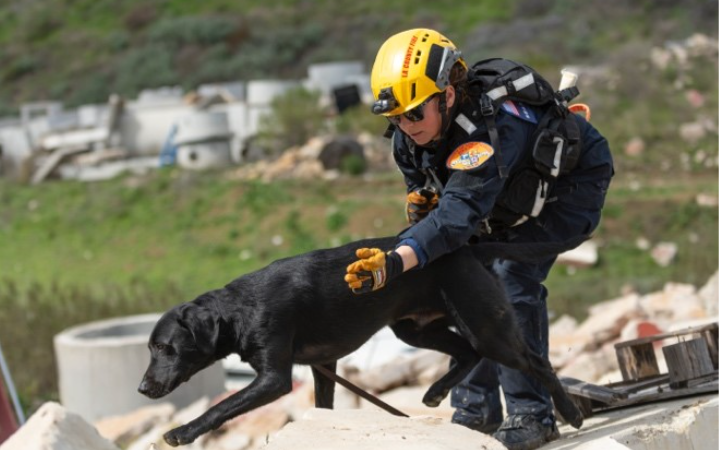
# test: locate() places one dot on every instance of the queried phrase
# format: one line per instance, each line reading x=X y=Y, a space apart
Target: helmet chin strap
x=442 y=107
x=444 y=120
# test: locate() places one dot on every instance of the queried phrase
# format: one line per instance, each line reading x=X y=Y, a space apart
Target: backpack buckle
x=569 y=93
x=486 y=106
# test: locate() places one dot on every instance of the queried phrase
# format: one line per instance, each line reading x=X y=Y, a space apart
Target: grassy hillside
x=80 y=51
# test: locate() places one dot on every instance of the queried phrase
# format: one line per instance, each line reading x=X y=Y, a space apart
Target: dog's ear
x=203 y=324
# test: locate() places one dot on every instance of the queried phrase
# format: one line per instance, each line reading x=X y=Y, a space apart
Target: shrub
x=39 y=23
x=140 y=16
x=20 y=67
x=145 y=67
x=295 y=117
x=93 y=89
x=359 y=119
x=353 y=165
x=202 y=31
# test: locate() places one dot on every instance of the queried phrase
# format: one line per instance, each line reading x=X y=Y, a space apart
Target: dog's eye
x=161 y=347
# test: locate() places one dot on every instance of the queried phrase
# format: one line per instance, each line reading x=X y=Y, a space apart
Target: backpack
x=556 y=144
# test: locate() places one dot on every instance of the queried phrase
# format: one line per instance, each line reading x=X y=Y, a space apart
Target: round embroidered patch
x=470 y=155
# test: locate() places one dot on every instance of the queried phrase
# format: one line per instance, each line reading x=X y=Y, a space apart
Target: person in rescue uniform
x=445 y=153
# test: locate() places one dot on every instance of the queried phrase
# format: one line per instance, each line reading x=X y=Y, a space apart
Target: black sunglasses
x=414 y=115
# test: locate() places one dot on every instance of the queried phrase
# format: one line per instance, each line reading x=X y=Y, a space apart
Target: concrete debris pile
x=320 y=157
x=586 y=350
x=579 y=350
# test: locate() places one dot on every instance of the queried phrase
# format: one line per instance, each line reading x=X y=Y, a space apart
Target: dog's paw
x=433 y=399
x=569 y=412
x=179 y=436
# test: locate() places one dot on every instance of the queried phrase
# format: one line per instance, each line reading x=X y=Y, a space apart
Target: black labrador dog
x=299 y=310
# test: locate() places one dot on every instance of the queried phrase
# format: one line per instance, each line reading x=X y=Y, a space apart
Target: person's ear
x=450 y=96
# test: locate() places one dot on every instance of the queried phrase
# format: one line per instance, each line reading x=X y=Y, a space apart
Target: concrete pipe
x=202 y=126
x=101 y=364
x=204 y=155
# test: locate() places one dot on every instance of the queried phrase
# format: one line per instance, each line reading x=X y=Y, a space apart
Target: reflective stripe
x=523 y=82
x=497 y=93
x=519 y=84
x=465 y=123
x=520 y=221
x=539 y=198
x=555 y=171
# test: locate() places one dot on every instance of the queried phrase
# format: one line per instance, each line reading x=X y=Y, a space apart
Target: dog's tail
x=487 y=251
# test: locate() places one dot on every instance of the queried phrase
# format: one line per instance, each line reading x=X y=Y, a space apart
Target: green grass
x=659 y=210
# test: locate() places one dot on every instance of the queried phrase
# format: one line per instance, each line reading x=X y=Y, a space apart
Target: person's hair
x=459 y=80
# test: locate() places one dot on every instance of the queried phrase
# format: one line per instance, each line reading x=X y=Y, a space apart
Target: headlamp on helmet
x=385 y=103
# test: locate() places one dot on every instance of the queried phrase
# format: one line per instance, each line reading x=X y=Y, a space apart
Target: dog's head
x=182 y=343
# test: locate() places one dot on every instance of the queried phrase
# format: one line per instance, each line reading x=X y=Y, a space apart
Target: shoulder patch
x=469 y=156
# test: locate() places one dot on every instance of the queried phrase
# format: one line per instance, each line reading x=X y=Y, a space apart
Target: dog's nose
x=143 y=388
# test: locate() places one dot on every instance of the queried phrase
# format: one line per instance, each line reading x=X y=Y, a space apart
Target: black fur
x=299 y=310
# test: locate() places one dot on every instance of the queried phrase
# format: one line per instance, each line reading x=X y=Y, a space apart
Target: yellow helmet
x=410 y=67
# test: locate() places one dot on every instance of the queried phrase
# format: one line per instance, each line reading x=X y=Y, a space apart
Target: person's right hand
x=419 y=205
x=373 y=270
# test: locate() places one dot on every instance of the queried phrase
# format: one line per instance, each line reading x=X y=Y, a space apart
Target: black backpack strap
x=488 y=111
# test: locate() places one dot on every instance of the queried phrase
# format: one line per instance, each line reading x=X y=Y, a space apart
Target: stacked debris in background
x=580 y=350
x=320 y=158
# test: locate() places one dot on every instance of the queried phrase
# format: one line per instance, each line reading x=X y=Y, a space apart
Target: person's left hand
x=419 y=204
x=373 y=270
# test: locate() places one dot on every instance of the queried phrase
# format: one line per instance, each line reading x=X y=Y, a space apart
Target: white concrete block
x=52 y=427
x=323 y=429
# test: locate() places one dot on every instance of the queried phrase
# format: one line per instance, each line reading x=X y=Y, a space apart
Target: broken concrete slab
x=689 y=423
x=53 y=427
x=322 y=429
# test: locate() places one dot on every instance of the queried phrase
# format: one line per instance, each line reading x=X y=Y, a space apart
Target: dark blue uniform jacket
x=468 y=197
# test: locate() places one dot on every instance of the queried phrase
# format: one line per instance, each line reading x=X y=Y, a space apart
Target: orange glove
x=419 y=204
x=373 y=270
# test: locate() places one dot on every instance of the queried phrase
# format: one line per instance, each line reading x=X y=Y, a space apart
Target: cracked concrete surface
x=689 y=423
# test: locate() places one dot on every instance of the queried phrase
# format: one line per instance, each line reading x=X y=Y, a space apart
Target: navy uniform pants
x=477 y=398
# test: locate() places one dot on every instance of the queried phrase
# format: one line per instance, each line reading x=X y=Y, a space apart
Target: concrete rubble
x=124 y=429
x=305 y=163
x=582 y=350
x=52 y=427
